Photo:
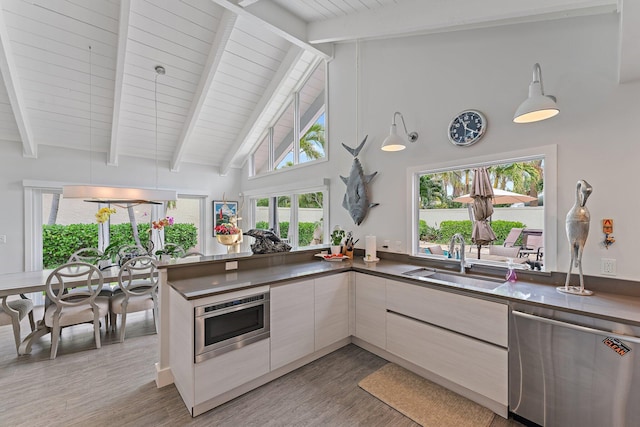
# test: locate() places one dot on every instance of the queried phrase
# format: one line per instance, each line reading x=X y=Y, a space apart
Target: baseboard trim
x=164 y=376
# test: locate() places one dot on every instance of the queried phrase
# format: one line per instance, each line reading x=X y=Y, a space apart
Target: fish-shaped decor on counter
x=356 y=198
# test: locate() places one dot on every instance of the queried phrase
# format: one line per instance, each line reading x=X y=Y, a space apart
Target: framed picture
x=222 y=212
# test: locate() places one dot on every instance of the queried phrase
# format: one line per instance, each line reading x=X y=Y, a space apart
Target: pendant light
x=119 y=195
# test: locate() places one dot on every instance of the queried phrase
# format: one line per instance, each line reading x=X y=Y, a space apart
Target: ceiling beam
x=419 y=17
x=9 y=72
x=223 y=33
x=242 y=144
x=245 y=3
x=279 y=21
x=123 y=36
x=629 y=46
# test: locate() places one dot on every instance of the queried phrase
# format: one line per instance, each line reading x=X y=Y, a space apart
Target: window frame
x=293 y=191
x=548 y=152
x=294 y=100
x=33 y=220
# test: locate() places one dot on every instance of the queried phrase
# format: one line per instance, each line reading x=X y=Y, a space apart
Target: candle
x=370 y=248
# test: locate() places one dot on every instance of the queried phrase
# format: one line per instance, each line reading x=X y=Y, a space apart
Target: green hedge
x=60 y=241
x=305 y=230
x=500 y=227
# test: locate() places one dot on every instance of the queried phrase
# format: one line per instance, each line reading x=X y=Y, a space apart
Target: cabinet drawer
x=473 y=364
x=485 y=320
x=230 y=370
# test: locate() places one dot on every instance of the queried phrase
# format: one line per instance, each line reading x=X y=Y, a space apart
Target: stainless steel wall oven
x=231 y=324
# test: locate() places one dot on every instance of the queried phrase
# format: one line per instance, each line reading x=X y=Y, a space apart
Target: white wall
x=433 y=77
x=71 y=166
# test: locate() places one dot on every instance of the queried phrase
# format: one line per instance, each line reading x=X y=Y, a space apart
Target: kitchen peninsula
x=310 y=308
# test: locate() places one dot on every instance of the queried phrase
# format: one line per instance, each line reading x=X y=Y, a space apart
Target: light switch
x=3 y=238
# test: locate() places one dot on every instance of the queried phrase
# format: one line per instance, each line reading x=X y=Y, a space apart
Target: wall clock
x=467 y=128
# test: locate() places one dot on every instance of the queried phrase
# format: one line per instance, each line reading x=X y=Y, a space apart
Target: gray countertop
x=604 y=305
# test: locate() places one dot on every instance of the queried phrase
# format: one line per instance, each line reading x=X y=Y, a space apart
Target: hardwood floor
x=114 y=386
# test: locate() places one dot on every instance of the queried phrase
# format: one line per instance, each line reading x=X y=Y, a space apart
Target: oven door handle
x=233 y=308
x=630 y=338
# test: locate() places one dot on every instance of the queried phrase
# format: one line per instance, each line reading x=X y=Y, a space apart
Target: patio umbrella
x=500 y=197
x=481 y=194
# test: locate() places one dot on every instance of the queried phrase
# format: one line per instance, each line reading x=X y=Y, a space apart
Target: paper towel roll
x=370 y=247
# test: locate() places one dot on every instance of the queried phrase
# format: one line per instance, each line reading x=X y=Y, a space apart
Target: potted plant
x=336 y=240
x=227 y=233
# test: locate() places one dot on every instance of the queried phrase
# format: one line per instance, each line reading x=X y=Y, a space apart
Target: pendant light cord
x=90 y=117
x=155 y=100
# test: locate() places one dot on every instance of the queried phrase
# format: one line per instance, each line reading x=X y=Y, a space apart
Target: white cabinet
x=331 y=309
x=460 y=338
x=292 y=322
x=229 y=370
x=371 y=309
x=474 y=364
x=478 y=318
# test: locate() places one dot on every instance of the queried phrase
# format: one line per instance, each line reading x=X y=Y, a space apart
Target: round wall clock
x=467 y=128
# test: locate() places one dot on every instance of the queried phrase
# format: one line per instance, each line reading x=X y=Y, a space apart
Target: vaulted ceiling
x=81 y=73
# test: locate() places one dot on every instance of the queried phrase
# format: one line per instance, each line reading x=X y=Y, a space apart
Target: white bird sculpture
x=577 y=225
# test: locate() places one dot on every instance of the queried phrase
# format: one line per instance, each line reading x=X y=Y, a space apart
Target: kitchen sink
x=459 y=280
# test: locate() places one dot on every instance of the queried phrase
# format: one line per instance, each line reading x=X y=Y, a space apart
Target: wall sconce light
x=395 y=142
x=537 y=106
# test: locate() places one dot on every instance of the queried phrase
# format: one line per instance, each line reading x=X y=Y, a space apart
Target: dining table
x=36 y=281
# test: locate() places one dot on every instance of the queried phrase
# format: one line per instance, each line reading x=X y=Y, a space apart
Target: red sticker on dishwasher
x=616 y=345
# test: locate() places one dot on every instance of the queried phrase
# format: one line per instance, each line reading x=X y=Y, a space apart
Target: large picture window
x=443 y=207
x=298 y=135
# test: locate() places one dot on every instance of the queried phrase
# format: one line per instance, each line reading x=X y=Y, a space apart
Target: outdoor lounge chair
x=498 y=250
x=512 y=237
x=534 y=245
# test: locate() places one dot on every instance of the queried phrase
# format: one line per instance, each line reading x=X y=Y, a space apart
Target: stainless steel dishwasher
x=567 y=369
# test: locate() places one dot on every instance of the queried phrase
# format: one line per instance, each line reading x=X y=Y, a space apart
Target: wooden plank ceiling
x=80 y=74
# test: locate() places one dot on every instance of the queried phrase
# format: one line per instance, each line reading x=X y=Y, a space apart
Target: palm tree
x=134 y=224
x=312 y=142
x=55 y=205
x=431 y=192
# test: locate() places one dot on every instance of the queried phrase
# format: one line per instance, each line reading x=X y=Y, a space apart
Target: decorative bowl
x=228 y=239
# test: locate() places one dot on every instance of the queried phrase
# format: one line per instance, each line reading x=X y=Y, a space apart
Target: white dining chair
x=137 y=291
x=83 y=305
x=12 y=312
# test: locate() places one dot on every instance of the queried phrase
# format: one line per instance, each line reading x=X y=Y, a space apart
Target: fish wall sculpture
x=356 y=198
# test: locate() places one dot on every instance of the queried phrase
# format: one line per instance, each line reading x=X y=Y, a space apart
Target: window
x=62 y=226
x=441 y=208
x=297 y=216
x=283 y=139
x=298 y=134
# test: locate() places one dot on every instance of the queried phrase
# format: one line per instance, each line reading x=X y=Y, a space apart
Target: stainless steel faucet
x=452 y=244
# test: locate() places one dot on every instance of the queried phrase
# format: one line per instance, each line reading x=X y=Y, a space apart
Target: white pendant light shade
x=393 y=142
x=537 y=106
x=96 y=194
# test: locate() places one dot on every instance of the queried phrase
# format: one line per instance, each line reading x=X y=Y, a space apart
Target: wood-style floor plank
x=114 y=386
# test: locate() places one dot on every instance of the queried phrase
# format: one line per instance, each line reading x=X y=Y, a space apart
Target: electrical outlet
x=608 y=266
x=231 y=265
